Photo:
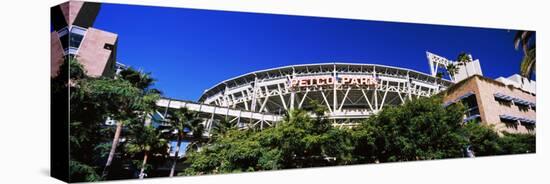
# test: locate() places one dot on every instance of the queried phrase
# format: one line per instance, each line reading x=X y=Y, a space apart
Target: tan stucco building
x=509 y=107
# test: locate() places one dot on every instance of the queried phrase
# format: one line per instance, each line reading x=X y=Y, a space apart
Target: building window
x=523 y=108
x=470 y=102
x=523 y=105
x=472 y=110
x=109 y=46
x=71 y=39
x=503 y=99
x=64 y=37
x=74 y=40
x=509 y=119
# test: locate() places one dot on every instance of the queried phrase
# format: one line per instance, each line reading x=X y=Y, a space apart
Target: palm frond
x=528 y=63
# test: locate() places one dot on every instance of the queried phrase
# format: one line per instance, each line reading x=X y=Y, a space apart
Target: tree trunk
x=142 y=172
x=176 y=155
x=113 y=149
x=147 y=122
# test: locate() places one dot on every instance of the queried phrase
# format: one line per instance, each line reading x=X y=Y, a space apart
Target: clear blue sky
x=189 y=50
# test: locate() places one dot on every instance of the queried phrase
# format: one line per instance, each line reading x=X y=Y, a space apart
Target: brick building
x=507 y=103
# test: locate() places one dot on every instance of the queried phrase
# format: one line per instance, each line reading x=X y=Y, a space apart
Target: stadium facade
x=355 y=91
x=350 y=92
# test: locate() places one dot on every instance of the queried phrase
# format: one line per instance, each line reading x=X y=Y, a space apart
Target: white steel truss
x=269 y=92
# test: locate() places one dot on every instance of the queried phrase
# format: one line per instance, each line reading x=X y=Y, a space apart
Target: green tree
x=484 y=140
x=526 y=40
x=182 y=122
x=221 y=128
x=517 y=143
x=298 y=141
x=421 y=129
x=87 y=117
x=82 y=172
x=92 y=100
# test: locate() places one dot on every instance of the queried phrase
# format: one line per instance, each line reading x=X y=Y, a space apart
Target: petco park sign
x=330 y=80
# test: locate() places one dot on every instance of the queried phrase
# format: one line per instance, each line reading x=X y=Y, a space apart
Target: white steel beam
x=281 y=95
x=326 y=101
x=367 y=99
x=263 y=104
x=384 y=98
x=334 y=94
x=245 y=102
x=400 y=97
x=375 y=94
x=292 y=94
x=344 y=99
x=303 y=98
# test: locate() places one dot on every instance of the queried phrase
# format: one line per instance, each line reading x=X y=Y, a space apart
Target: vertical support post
x=375 y=94
x=232 y=99
x=409 y=85
x=239 y=119
x=334 y=94
x=292 y=94
x=385 y=94
x=254 y=91
x=211 y=120
x=166 y=109
x=245 y=101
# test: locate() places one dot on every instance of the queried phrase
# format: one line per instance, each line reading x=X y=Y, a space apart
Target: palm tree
x=113 y=98
x=525 y=40
x=221 y=128
x=452 y=70
x=463 y=59
x=439 y=75
x=182 y=122
x=146 y=139
x=140 y=106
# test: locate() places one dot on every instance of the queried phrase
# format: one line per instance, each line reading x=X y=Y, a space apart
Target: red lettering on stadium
x=329 y=80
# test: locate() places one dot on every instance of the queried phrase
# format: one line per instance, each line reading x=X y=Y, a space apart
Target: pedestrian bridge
x=244 y=118
x=213 y=112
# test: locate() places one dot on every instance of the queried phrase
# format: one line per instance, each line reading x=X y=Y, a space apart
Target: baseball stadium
x=350 y=91
x=312 y=91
